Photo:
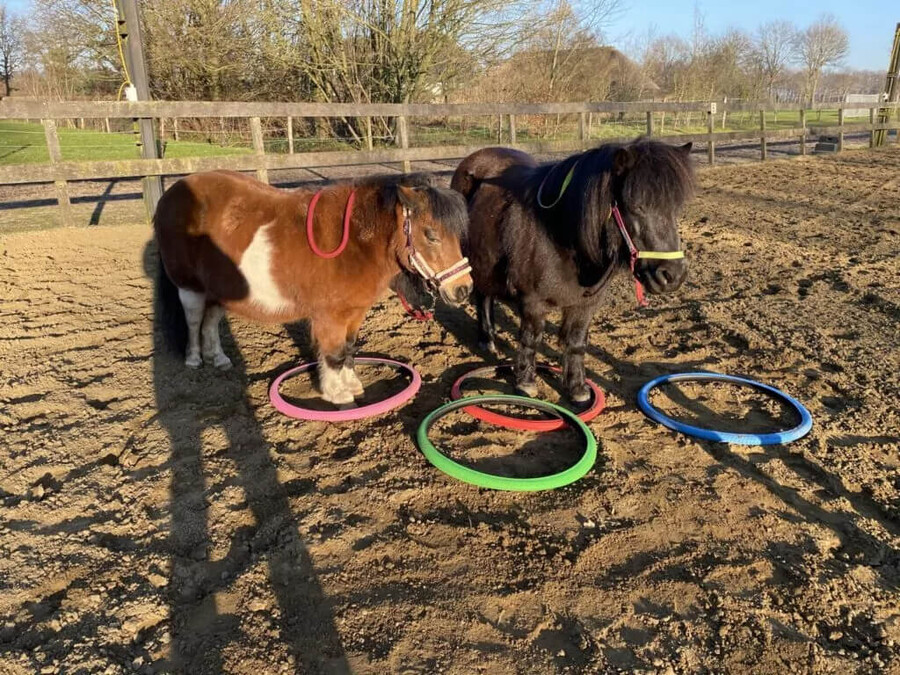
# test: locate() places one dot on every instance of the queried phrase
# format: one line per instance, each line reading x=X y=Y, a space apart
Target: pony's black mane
x=657 y=176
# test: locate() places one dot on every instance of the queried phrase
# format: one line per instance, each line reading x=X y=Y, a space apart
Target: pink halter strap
x=633 y=253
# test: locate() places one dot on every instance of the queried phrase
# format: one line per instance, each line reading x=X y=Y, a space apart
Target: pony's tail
x=169 y=312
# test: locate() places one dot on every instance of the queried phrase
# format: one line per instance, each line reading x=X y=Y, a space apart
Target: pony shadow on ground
x=196 y=407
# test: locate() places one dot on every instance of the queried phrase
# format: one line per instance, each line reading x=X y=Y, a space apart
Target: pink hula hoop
x=310 y=219
x=376 y=408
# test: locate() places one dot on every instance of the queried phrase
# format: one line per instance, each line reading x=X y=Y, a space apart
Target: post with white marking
x=710 y=143
x=840 y=147
x=872 y=132
x=764 y=150
x=802 y=130
x=403 y=133
x=129 y=28
x=62 y=188
x=290 y=134
x=256 y=131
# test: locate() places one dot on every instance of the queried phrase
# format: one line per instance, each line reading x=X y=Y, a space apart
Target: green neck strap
x=562 y=190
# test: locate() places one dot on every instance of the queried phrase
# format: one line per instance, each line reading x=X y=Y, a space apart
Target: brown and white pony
x=231 y=243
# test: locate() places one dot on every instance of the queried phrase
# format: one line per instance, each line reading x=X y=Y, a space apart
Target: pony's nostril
x=667 y=277
x=462 y=292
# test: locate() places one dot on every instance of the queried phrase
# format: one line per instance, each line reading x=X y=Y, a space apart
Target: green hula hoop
x=486 y=480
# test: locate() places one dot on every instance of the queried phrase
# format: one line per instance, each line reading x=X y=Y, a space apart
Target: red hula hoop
x=311 y=235
x=597 y=404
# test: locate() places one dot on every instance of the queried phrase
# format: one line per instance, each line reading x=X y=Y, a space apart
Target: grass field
x=23 y=143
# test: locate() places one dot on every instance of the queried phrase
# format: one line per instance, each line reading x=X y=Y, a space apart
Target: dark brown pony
x=229 y=242
x=544 y=237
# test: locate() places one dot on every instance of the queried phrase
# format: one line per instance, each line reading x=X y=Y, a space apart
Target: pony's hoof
x=488 y=347
x=580 y=394
x=352 y=383
x=222 y=362
x=529 y=389
x=193 y=361
x=338 y=397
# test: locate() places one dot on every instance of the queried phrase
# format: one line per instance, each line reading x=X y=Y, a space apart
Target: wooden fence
x=58 y=171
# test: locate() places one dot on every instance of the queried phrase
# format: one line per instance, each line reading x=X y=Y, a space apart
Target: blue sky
x=870 y=23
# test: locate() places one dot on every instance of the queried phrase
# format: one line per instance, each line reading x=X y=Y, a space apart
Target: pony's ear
x=394 y=193
x=623 y=160
x=686 y=148
x=407 y=197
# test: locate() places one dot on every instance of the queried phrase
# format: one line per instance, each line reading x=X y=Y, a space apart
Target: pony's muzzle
x=664 y=276
x=458 y=292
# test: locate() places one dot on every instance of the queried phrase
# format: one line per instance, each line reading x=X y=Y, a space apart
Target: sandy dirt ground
x=157 y=520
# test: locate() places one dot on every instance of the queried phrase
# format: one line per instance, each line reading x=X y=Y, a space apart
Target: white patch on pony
x=333 y=388
x=256 y=266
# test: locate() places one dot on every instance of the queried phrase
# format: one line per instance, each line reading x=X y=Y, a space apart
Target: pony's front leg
x=484 y=305
x=530 y=337
x=332 y=341
x=348 y=372
x=573 y=335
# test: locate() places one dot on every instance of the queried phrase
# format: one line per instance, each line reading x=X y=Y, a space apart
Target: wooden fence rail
x=59 y=172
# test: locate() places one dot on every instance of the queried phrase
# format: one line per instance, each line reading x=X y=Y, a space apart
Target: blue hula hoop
x=778 y=437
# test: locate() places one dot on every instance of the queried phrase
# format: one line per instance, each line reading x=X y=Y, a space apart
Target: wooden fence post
x=62 y=188
x=649 y=123
x=290 y=134
x=872 y=133
x=260 y=148
x=710 y=143
x=369 y=145
x=582 y=128
x=404 y=139
x=802 y=131
x=175 y=128
x=512 y=129
x=841 y=132
x=763 y=148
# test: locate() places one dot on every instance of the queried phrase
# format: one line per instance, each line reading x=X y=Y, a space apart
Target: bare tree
x=774 y=43
x=204 y=49
x=386 y=50
x=824 y=43
x=11 y=46
x=565 y=31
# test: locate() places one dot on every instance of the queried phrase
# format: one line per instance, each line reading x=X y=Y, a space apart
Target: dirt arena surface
x=157 y=520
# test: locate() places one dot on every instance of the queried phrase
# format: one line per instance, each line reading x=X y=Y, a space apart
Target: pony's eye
x=431 y=235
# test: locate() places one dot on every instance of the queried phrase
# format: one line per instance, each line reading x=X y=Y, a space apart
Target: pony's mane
x=657 y=176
